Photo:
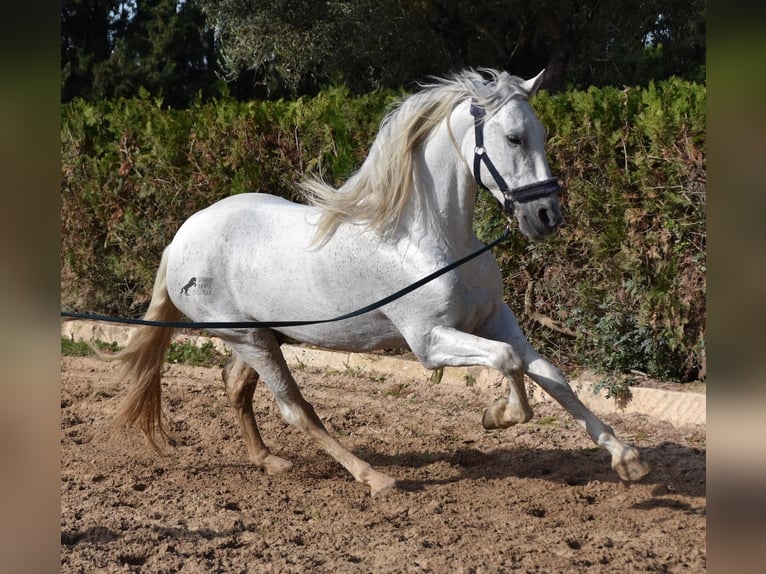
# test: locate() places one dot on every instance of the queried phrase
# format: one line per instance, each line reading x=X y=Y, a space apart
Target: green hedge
x=133 y=171
x=621 y=287
x=627 y=271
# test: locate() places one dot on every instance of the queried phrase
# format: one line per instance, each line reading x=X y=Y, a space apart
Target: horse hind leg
x=267 y=357
x=240 y=380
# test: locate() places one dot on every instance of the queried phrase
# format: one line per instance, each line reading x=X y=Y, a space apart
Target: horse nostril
x=547 y=219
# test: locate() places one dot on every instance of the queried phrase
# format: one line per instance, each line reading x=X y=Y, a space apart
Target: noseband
x=519 y=194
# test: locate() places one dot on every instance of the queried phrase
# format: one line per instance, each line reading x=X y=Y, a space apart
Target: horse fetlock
x=501 y=414
x=629 y=466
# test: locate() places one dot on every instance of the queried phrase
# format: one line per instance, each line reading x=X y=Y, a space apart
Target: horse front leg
x=515 y=409
x=514 y=356
x=626 y=460
x=445 y=346
x=503 y=326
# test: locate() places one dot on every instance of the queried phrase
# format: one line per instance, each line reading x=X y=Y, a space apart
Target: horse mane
x=378 y=193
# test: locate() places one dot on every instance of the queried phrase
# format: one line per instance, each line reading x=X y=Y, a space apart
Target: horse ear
x=532 y=85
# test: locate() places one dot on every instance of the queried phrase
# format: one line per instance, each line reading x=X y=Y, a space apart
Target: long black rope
x=273 y=324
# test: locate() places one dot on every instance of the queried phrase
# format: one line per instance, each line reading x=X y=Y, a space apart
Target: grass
x=186 y=353
x=359 y=372
x=436 y=375
x=554 y=422
x=179 y=352
x=397 y=389
x=72 y=348
x=548 y=421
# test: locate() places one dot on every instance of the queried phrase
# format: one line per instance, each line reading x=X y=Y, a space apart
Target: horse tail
x=142 y=361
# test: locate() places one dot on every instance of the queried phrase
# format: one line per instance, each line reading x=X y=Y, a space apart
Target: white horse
x=407 y=212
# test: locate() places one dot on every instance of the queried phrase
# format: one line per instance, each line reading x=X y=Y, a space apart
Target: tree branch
x=544 y=320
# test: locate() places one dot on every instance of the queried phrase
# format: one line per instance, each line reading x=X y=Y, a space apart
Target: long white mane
x=377 y=194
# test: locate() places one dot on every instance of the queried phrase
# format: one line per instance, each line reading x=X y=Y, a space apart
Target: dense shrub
x=627 y=270
x=621 y=287
x=133 y=171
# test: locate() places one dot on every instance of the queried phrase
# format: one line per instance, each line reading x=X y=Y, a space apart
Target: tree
x=176 y=49
x=167 y=49
x=293 y=47
x=87 y=31
x=114 y=49
x=286 y=48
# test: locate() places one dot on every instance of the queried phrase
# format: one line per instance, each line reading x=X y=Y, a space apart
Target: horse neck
x=446 y=190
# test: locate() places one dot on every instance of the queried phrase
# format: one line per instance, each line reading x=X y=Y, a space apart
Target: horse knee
x=508 y=361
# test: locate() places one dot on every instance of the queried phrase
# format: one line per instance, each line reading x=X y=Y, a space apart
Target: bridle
x=519 y=194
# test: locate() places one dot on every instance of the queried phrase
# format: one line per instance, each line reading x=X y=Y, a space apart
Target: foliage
x=617 y=387
x=290 y=48
x=293 y=48
x=184 y=352
x=632 y=250
x=626 y=270
x=187 y=353
x=71 y=348
x=114 y=48
x=264 y=49
x=132 y=172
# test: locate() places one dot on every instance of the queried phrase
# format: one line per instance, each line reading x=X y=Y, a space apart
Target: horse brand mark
x=185 y=289
x=202 y=286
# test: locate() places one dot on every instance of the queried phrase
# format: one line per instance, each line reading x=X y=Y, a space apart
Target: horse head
x=509 y=158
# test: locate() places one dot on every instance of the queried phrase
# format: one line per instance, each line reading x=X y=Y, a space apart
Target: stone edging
x=676 y=407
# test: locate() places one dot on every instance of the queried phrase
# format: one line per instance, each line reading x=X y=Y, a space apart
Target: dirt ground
x=538 y=497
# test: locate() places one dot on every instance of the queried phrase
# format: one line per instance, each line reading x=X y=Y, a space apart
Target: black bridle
x=519 y=194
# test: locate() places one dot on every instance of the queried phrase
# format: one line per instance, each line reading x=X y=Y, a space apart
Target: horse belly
x=369 y=334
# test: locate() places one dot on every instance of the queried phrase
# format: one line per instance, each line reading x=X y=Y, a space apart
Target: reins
x=274 y=324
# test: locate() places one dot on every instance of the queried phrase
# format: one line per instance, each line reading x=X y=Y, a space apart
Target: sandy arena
x=538 y=497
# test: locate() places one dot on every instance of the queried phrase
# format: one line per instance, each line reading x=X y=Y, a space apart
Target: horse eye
x=514 y=140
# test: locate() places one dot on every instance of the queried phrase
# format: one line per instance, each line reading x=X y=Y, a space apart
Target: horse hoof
x=500 y=415
x=629 y=465
x=381 y=485
x=275 y=465
x=494 y=415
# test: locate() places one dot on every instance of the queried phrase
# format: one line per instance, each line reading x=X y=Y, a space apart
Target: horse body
x=278 y=275
x=407 y=212
x=261 y=263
